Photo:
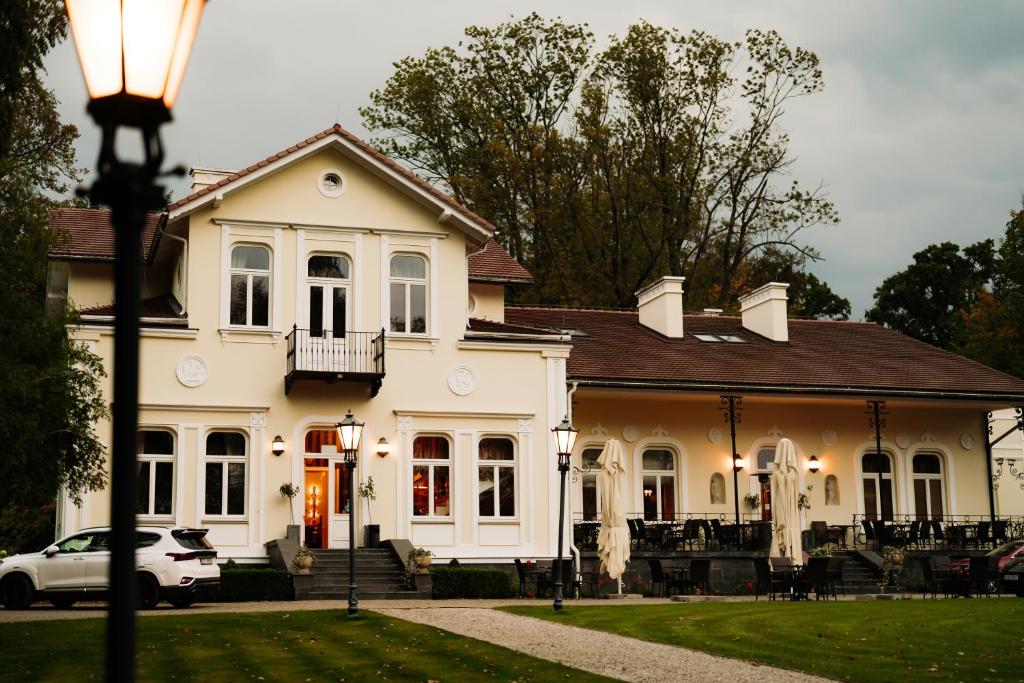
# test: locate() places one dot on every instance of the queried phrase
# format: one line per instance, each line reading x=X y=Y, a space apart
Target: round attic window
x=331 y=183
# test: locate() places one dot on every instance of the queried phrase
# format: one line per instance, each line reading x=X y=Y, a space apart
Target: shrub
x=245 y=584
x=467 y=582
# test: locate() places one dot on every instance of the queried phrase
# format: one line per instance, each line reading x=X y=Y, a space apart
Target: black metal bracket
x=578 y=472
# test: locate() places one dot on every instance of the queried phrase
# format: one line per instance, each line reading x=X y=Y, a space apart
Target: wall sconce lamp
x=277 y=448
x=738 y=463
x=814 y=464
x=383 y=447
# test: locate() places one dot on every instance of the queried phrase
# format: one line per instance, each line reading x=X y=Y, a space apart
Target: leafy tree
x=50 y=397
x=927 y=300
x=661 y=154
x=809 y=297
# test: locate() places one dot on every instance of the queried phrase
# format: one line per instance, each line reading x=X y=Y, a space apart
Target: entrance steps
x=379 y=575
x=859 y=576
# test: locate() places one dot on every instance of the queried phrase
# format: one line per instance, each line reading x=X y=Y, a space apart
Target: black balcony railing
x=935 y=532
x=326 y=356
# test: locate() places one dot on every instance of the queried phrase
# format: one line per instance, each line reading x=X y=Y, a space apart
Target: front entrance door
x=340 y=506
x=328 y=321
x=764 y=484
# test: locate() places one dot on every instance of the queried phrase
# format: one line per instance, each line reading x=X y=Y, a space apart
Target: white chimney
x=764 y=311
x=661 y=306
x=204 y=177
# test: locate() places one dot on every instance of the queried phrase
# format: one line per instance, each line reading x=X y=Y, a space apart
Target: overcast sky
x=917 y=134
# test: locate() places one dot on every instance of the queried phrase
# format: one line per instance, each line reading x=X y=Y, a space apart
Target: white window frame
x=658 y=474
x=592 y=473
x=406 y=284
x=224 y=461
x=152 y=459
x=495 y=465
x=249 y=273
x=873 y=476
x=430 y=464
x=941 y=477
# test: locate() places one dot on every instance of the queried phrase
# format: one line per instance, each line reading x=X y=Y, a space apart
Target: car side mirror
x=51 y=551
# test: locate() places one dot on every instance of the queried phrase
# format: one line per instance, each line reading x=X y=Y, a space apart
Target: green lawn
x=959 y=640
x=271 y=646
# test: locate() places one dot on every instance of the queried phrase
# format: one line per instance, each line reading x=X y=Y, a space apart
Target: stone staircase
x=859 y=577
x=379 y=576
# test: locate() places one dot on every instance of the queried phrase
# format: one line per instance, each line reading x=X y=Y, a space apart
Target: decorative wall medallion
x=967 y=441
x=715 y=435
x=902 y=439
x=629 y=433
x=829 y=437
x=461 y=380
x=525 y=425
x=192 y=371
x=257 y=419
x=405 y=422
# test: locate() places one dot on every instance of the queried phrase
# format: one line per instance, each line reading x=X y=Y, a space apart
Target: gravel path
x=595 y=651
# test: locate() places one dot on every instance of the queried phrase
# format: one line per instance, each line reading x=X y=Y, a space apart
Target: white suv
x=171 y=564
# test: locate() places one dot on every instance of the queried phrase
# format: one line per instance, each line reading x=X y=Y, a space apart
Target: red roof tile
x=493 y=327
x=358 y=142
x=156 y=307
x=89 y=234
x=494 y=264
x=821 y=356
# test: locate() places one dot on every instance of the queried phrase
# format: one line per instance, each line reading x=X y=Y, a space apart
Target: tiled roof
x=157 y=307
x=336 y=129
x=89 y=234
x=493 y=327
x=494 y=264
x=820 y=357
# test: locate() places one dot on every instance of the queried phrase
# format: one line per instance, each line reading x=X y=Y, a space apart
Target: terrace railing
x=683 y=532
x=935 y=532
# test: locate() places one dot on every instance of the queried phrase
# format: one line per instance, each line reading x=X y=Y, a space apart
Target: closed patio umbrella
x=613 y=539
x=785 y=515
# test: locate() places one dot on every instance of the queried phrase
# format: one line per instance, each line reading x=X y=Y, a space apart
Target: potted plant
x=420 y=558
x=303 y=560
x=752 y=501
x=371 y=532
x=289 y=490
x=892 y=569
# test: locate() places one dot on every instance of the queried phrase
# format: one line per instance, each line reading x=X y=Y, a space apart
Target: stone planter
x=302 y=564
x=423 y=561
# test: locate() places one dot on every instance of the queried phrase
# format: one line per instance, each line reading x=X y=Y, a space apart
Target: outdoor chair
x=820 y=532
x=999 y=531
x=934 y=578
x=714 y=536
x=691 y=533
x=634 y=533
x=662 y=581
x=766 y=583
x=914 y=535
x=869 y=532
x=938 y=535
x=527 y=576
x=699 y=576
x=835 y=572
x=979 y=576
x=816 y=578
x=981 y=537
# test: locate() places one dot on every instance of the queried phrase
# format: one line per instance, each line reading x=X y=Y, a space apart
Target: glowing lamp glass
x=814 y=464
x=383 y=447
x=565 y=437
x=350 y=430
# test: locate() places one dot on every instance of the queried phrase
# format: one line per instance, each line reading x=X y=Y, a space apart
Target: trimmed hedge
x=467 y=582
x=240 y=584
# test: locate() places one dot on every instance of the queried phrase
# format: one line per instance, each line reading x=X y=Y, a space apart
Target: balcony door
x=327 y=313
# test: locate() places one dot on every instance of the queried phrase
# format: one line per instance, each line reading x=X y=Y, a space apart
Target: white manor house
x=327 y=278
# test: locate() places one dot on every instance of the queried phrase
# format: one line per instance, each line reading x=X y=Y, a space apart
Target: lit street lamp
x=133 y=55
x=350 y=430
x=565 y=437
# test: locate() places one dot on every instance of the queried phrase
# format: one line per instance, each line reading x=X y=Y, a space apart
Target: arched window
x=431 y=476
x=226 y=455
x=658 y=467
x=928 y=486
x=154 y=450
x=496 y=472
x=591 y=497
x=875 y=467
x=763 y=469
x=250 y=286
x=408 y=294
x=327 y=283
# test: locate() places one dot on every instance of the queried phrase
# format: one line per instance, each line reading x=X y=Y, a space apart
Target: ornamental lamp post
x=350 y=430
x=133 y=55
x=565 y=438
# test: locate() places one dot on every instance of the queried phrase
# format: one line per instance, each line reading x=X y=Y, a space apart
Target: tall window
x=225 y=474
x=408 y=294
x=250 y=286
x=591 y=497
x=497 y=477
x=928 y=494
x=765 y=457
x=877 y=505
x=659 y=483
x=328 y=291
x=431 y=475
x=155 y=481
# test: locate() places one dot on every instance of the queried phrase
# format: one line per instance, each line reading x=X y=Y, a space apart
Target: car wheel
x=62 y=602
x=148 y=592
x=16 y=592
x=182 y=603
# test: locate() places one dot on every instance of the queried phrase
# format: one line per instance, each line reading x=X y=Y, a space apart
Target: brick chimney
x=764 y=311
x=661 y=306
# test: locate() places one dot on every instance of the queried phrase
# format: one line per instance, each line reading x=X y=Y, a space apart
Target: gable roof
x=358 y=148
x=88 y=234
x=612 y=348
x=494 y=264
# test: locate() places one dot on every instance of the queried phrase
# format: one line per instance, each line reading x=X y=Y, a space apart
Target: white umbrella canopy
x=785 y=515
x=613 y=539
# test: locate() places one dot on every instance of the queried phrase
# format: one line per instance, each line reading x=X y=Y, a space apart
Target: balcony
x=321 y=355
